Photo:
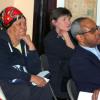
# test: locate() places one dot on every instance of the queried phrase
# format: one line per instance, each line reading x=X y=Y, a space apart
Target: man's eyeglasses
x=92 y=30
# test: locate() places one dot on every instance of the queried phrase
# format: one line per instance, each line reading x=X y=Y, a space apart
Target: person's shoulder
x=77 y=55
x=2 y=42
x=77 y=51
x=4 y=50
x=3 y=45
x=80 y=52
x=51 y=36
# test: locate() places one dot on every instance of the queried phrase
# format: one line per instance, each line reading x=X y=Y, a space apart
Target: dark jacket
x=13 y=64
x=58 y=55
x=85 y=69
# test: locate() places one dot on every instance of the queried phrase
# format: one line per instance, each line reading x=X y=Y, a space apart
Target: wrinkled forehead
x=20 y=21
x=88 y=23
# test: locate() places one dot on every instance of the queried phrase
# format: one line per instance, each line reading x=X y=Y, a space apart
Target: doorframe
x=98 y=13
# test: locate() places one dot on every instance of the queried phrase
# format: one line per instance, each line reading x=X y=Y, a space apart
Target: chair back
x=44 y=66
x=72 y=90
x=44 y=62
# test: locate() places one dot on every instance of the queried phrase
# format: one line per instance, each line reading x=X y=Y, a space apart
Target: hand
x=62 y=33
x=38 y=80
x=67 y=39
x=95 y=94
x=28 y=41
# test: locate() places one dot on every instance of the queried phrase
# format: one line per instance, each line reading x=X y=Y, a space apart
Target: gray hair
x=76 y=27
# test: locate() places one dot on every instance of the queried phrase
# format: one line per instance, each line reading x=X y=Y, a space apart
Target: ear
x=80 y=38
x=53 y=22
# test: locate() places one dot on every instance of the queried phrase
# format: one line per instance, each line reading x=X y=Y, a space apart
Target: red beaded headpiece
x=9 y=15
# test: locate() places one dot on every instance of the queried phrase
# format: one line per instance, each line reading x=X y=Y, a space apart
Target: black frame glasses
x=92 y=30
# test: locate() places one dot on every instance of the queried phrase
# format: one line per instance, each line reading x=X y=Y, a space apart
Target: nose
x=23 y=26
x=68 y=22
x=98 y=34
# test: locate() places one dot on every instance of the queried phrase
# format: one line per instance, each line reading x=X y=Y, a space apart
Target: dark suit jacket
x=58 y=55
x=85 y=69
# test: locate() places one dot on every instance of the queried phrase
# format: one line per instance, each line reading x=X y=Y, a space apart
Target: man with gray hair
x=85 y=62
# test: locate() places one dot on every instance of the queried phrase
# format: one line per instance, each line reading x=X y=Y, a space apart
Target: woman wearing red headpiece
x=18 y=69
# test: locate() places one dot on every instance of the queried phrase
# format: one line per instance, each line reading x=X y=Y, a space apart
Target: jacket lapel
x=87 y=54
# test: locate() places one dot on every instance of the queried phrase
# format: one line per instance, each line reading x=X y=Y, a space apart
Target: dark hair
x=58 y=12
x=76 y=28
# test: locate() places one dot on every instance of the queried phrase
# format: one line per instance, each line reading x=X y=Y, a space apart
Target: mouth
x=22 y=31
x=68 y=25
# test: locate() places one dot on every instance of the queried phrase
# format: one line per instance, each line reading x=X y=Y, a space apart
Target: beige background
x=82 y=8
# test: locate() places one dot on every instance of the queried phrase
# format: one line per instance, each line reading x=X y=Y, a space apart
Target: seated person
x=85 y=62
x=18 y=70
x=58 y=49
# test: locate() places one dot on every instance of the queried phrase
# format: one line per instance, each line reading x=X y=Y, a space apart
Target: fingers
x=38 y=80
x=95 y=95
x=42 y=83
x=28 y=41
x=26 y=38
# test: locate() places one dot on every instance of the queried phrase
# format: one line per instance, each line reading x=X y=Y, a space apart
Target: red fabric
x=9 y=14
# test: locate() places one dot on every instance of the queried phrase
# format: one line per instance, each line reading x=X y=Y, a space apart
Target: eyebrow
x=90 y=30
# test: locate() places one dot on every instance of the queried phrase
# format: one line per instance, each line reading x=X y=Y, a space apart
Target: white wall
x=26 y=6
x=98 y=12
x=60 y=3
x=5 y=3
